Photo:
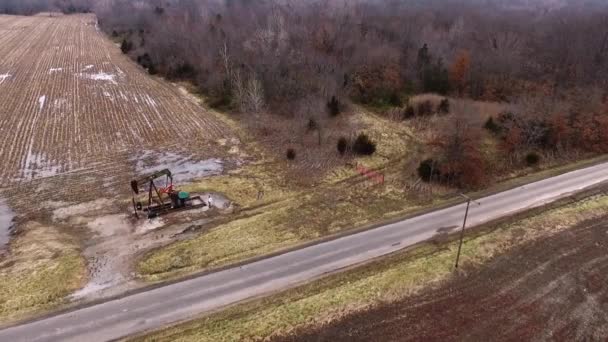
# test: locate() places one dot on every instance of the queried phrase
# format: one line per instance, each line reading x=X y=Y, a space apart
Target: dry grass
x=384 y=281
x=44 y=266
x=286 y=214
x=484 y=109
x=289 y=215
x=281 y=222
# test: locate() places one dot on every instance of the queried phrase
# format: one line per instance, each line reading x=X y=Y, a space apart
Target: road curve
x=180 y=301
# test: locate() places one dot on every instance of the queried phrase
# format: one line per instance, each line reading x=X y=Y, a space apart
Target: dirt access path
x=553 y=289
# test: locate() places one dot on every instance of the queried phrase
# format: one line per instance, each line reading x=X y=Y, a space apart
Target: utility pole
x=466 y=214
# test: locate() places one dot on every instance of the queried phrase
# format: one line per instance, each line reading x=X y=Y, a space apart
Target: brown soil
x=555 y=289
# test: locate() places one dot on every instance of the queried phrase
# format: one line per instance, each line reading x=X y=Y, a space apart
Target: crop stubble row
x=74 y=106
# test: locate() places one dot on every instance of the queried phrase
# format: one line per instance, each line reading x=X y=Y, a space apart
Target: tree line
x=274 y=54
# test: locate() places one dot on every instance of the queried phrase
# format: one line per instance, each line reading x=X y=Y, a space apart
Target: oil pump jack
x=161 y=200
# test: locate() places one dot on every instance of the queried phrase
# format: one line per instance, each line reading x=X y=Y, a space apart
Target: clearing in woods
x=77 y=121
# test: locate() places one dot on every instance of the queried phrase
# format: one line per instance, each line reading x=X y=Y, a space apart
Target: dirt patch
x=549 y=289
x=115 y=238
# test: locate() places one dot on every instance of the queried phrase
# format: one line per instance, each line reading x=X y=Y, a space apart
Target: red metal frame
x=375 y=176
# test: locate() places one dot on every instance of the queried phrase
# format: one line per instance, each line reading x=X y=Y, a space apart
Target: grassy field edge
x=419 y=267
x=407 y=213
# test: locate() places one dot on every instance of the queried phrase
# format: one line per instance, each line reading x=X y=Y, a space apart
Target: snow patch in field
x=53 y=70
x=41 y=101
x=183 y=167
x=88 y=67
x=108 y=95
x=38 y=166
x=58 y=103
x=100 y=76
x=3 y=77
x=123 y=96
x=6 y=222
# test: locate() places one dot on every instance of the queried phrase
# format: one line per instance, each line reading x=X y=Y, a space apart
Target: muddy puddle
x=6 y=222
x=184 y=167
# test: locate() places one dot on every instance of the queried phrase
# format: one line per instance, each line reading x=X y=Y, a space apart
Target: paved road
x=172 y=303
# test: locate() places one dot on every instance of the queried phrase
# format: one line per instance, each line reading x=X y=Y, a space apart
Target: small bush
x=159 y=11
x=492 y=126
x=114 y=33
x=334 y=107
x=291 y=154
x=221 y=101
x=395 y=100
x=312 y=125
x=146 y=62
x=342 y=145
x=409 y=113
x=425 y=108
x=428 y=169
x=505 y=119
x=532 y=159
x=184 y=70
x=364 y=146
x=126 y=46
x=444 y=106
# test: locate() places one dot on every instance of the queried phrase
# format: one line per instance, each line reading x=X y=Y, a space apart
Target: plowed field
x=75 y=113
x=551 y=290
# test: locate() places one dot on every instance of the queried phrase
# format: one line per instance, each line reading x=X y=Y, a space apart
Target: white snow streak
x=100 y=76
x=38 y=166
x=53 y=70
x=88 y=67
x=150 y=100
x=41 y=101
x=58 y=103
x=3 y=77
x=120 y=72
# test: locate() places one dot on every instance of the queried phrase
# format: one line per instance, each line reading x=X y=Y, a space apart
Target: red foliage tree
x=459 y=71
x=461 y=161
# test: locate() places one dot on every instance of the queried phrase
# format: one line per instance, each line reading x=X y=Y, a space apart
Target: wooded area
x=308 y=58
